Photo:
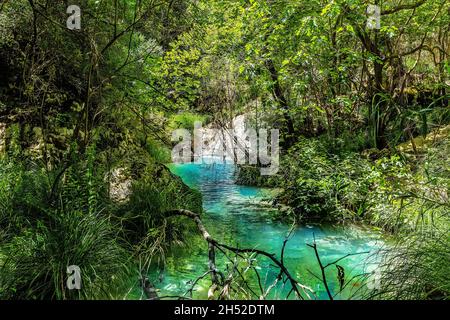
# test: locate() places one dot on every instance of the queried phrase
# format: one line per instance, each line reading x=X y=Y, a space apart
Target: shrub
x=156 y=192
x=36 y=260
x=415 y=268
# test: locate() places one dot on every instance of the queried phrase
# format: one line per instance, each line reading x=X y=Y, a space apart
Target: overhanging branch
x=212 y=244
x=403 y=7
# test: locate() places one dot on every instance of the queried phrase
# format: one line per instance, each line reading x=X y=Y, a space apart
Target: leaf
x=326 y=9
x=341 y=276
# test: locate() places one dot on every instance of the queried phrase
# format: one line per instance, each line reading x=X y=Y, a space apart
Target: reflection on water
x=239 y=216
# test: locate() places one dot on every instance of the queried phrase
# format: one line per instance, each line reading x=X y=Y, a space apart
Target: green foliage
x=158 y=152
x=251 y=176
x=24 y=196
x=318 y=185
x=186 y=120
x=48 y=225
x=42 y=238
x=388 y=192
x=156 y=192
x=37 y=259
x=77 y=105
x=409 y=199
x=414 y=268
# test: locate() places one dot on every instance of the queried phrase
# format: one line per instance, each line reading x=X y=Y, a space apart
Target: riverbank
x=403 y=192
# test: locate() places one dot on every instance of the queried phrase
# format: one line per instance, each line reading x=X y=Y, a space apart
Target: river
x=241 y=216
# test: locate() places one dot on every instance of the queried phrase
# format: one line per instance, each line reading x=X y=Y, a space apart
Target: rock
x=149 y=289
x=119 y=185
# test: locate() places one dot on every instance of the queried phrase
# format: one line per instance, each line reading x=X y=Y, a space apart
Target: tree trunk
x=281 y=99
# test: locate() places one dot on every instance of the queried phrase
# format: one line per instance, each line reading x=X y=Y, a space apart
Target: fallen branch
x=212 y=244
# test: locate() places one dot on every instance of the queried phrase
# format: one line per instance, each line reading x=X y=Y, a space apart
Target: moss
x=422 y=144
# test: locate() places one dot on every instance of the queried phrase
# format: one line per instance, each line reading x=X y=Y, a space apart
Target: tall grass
x=43 y=235
x=145 y=224
x=53 y=219
x=37 y=259
x=416 y=268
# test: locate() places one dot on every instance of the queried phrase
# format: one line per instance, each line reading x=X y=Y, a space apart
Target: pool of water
x=241 y=216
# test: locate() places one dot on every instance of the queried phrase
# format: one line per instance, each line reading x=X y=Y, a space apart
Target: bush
x=47 y=225
x=186 y=120
x=248 y=175
x=415 y=268
x=23 y=196
x=323 y=186
x=37 y=259
x=154 y=193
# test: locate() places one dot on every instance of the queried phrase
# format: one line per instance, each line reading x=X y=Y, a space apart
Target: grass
x=46 y=227
x=38 y=259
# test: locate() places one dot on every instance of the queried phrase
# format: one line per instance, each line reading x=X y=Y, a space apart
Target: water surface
x=241 y=216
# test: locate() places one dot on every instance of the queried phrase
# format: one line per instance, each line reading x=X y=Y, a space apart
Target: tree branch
x=212 y=243
x=403 y=7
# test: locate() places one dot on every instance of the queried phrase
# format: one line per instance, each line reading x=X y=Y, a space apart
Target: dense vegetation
x=86 y=118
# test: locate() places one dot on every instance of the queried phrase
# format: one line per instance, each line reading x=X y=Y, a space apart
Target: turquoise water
x=241 y=216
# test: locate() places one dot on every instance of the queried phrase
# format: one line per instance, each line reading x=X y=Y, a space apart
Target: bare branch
x=212 y=243
x=322 y=269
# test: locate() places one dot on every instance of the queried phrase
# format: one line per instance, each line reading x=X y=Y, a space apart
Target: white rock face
x=119 y=185
x=215 y=141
